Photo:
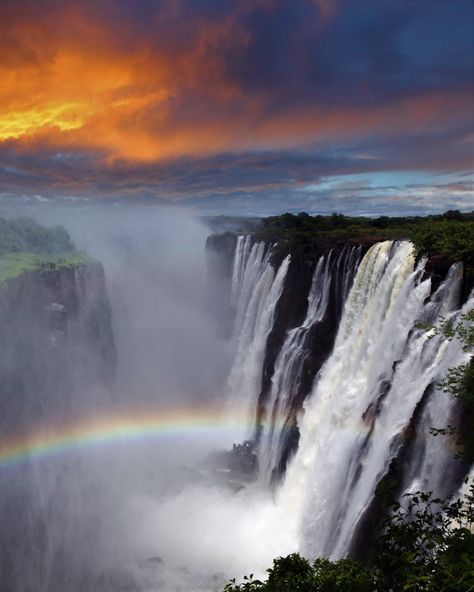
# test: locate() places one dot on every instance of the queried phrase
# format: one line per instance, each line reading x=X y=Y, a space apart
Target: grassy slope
x=14 y=264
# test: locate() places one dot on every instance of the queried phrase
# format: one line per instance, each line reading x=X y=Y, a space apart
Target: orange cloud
x=74 y=85
x=80 y=90
x=68 y=82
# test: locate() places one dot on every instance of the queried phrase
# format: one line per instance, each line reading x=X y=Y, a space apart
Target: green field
x=14 y=264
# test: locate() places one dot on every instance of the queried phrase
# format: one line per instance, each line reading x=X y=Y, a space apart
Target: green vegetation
x=24 y=235
x=296 y=574
x=427 y=545
x=451 y=238
x=303 y=226
x=450 y=234
x=25 y=246
x=14 y=264
x=459 y=383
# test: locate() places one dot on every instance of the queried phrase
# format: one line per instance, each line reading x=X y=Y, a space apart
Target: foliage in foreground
x=427 y=545
x=296 y=574
x=459 y=383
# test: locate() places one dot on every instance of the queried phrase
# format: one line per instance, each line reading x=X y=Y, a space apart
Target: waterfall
x=278 y=422
x=346 y=268
x=431 y=465
x=365 y=395
x=277 y=419
x=256 y=289
x=242 y=251
x=375 y=387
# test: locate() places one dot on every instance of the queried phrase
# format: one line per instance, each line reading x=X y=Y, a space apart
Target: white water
x=257 y=289
x=349 y=431
x=346 y=268
x=287 y=374
x=432 y=465
x=242 y=252
x=285 y=382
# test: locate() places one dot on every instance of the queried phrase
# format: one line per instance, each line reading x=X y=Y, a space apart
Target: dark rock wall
x=57 y=363
x=292 y=306
x=319 y=339
x=55 y=339
x=220 y=254
x=220 y=250
x=437 y=268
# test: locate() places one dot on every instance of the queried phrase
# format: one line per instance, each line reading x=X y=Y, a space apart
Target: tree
x=459 y=383
x=451 y=238
x=427 y=545
x=295 y=574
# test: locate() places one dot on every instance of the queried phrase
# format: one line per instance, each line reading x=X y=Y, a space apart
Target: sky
x=249 y=107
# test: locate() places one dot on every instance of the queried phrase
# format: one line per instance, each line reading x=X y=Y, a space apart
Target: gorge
x=120 y=380
x=369 y=398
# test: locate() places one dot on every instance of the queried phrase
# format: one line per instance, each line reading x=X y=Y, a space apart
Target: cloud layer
x=209 y=100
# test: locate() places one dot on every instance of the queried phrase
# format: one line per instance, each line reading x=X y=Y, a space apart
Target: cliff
x=219 y=257
x=317 y=340
x=55 y=338
x=290 y=310
x=57 y=359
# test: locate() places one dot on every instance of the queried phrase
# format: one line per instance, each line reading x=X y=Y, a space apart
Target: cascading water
x=332 y=271
x=257 y=289
x=287 y=375
x=333 y=276
x=430 y=464
x=138 y=525
x=242 y=251
x=365 y=396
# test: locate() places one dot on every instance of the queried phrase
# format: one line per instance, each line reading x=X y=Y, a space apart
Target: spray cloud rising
x=111 y=478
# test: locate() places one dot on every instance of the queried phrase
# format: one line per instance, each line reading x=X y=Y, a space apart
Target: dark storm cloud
x=277 y=178
x=197 y=100
x=366 y=52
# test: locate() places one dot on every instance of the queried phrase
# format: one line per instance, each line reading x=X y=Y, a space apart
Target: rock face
x=291 y=309
x=437 y=268
x=220 y=253
x=319 y=338
x=55 y=337
x=57 y=358
x=219 y=257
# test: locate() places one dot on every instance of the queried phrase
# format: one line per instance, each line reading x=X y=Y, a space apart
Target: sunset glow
x=146 y=85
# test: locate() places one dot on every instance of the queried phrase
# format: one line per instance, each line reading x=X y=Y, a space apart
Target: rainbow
x=90 y=432
x=131 y=427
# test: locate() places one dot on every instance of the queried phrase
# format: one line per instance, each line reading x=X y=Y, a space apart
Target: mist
x=144 y=428
x=158 y=511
